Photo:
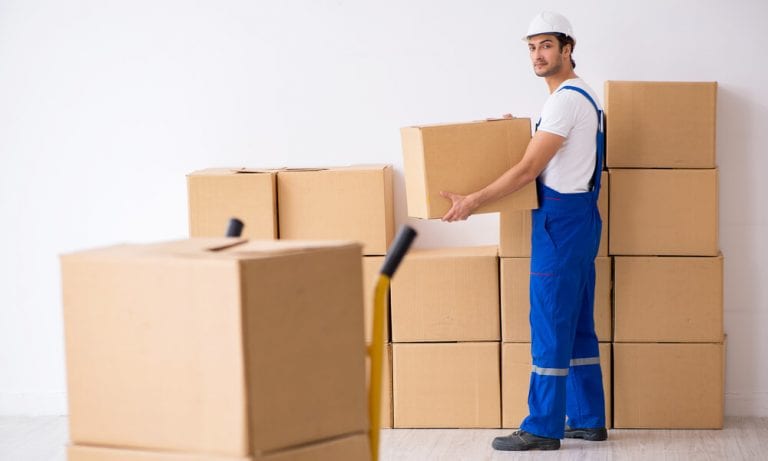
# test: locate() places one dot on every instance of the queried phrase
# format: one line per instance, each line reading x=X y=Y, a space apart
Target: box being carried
x=463 y=158
x=216 y=346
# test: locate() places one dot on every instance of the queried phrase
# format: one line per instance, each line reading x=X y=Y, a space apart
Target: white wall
x=105 y=105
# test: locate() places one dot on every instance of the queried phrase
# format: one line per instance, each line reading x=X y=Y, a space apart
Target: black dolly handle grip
x=397 y=250
x=235 y=227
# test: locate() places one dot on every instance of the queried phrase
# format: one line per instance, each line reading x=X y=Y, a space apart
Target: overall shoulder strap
x=591 y=100
x=600 y=141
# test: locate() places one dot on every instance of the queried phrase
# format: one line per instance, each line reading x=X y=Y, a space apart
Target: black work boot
x=595 y=434
x=522 y=441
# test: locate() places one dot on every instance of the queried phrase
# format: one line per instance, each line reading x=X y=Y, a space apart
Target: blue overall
x=566 y=377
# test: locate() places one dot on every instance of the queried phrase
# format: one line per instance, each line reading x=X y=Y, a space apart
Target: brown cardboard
x=218 y=194
x=348 y=448
x=371 y=270
x=179 y=347
x=516 y=366
x=349 y=203
x=447 y=294
x=446 y=385
x=668 y=386
x=668 y=299
x=660 y=124
x=663 y=212
x=91 y=453
x=516 y=305
x=515 y=228
x=386 y=387
x=463 y=158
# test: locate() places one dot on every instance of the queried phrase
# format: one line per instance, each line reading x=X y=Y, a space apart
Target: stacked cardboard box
x=216 y=349
x=445 y=332
x=668 y=301
x=343 y=203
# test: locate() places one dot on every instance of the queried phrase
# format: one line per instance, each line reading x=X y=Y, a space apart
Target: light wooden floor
x=43 y=439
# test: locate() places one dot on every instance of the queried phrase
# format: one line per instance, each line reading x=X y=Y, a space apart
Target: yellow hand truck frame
x=395 y=255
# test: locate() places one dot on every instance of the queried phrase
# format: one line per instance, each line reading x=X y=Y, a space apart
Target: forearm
x=512 y=180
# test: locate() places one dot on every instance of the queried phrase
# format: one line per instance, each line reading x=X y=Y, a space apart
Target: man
x=564 y=157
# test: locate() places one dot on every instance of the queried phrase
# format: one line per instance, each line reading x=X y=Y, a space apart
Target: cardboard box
x=371 y=267
x=663 y=212
x=386 y=387
x=447 y=385
x=218 y=346
x=515 y=228
x=516 y=304
x=349 y=203
x=463 y=158
x=447 y=294
x=348 y=448
x=668 y=386
x=668 y=299
x=660 y=124
x=218 y=194
x=516 y=366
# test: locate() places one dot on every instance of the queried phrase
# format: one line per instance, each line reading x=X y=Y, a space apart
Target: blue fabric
x=565 y=240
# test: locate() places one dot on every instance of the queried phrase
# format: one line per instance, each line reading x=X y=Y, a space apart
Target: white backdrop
x=106 y=105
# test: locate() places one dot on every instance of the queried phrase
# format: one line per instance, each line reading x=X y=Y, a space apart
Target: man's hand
x=462 y=206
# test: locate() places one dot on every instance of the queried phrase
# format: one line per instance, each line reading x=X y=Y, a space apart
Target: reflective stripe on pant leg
x=585 y=400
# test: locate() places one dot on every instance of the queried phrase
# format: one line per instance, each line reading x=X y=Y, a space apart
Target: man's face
x=546 y=56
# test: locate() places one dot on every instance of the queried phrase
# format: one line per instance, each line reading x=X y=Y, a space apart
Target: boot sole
x=544 y=447
x=586 y=435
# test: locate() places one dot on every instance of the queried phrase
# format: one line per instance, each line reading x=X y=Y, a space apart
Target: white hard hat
x=548 y=22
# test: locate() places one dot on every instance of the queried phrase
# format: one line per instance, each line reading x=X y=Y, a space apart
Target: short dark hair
x=567 y=40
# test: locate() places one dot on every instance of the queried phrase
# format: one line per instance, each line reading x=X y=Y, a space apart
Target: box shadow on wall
x=482 y=229
x=738 y=117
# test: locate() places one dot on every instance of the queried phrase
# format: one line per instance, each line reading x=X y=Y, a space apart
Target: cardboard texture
x=663 y=212
x=447 y=294
x=348 y=448
x=463 y=158
x=660 y=124
x=668 y=386
x=386 y=387
x=349 y=203
x=447 y=385
x=516 y=366
x=371 y=267
x=668 y=299
x=215 y=195
x=214 y=346
x=515 y=228
x=516 y=305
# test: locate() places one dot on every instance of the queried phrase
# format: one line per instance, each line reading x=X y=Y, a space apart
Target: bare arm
x=540 y=150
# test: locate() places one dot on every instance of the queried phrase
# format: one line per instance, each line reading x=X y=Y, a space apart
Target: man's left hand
x=462 y=206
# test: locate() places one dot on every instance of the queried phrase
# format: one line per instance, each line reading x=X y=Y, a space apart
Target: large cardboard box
x=516 y=304
x=447 y=385
x=515 y=228
x=215 y=195
x=668 y=386
x=386 y=386
x=660 y=124
x=371 y=270
x=447 y=294
x=668 y=299
x=347 y=448
x=463 y=158
x=516 y=366
x=214 y=345
x=348 y=203
x=663 y=212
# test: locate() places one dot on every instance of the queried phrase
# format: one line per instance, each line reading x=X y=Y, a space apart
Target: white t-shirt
x=569 y=114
